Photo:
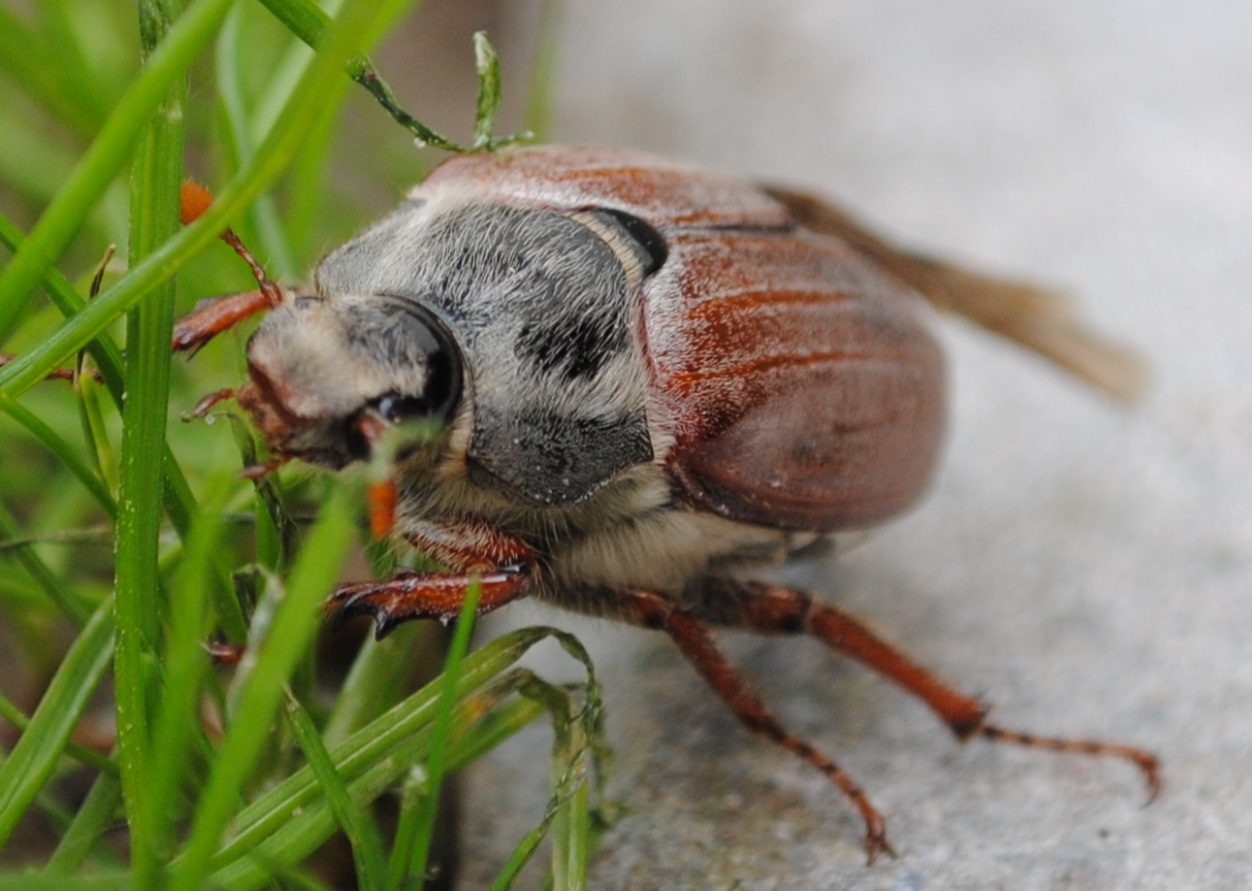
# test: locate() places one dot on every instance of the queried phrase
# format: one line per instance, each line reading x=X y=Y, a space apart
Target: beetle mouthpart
x=256 y=471
x=372 y=428
x=206 y=403
x=382 y=496
x=223 y=653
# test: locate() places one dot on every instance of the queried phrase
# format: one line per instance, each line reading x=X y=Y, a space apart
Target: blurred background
x=1083 y=566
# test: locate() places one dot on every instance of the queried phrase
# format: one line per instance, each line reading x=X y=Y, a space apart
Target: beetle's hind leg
x=772 y=609
x=694 y=641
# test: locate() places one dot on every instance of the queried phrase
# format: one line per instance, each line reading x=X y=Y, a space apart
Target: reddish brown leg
x=56 y=374
x=193 y=331
x=694 y=641
x=475 y=552
x=210 y=319
x=775 y=610
x=225 y=653
x=206 y=403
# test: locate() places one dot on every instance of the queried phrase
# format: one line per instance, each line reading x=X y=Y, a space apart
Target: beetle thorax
x=544 y=306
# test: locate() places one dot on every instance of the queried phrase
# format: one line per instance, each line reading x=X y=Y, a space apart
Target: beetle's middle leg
x=696 y=644
x=474 y=551
x=777 y=610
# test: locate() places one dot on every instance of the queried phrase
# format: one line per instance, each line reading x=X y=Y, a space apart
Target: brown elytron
x=645 y=377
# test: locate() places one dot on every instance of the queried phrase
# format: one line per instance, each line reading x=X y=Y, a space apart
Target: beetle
x=646 y=379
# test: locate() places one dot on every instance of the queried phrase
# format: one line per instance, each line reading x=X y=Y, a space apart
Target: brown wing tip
x=1036 y=318
x=1044 y=322
x=1115 y=370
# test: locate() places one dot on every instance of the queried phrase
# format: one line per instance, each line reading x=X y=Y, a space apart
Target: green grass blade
x=488 y=65
x=155 y=181
x=411 y=853
x=12 y=714
x=71 y=606
x=35 y=167
x=309 y=23
x=298 y=120
x=300 y=831
x=104 y=159
x=297 y=620
x=374 y=684
x=110 y=881
x=96 y=435
x=537 y=114
x=64 y=452
x=44 y=78
x=292 y=819
x=567 y=814
x=82 y=70
x=65 y=297
x=239 y=135
x=176 y=726
x=178 y=502
x=95 y=815
x=373 y=743
x=36 y=754
x=572 y=820
x=361 y=830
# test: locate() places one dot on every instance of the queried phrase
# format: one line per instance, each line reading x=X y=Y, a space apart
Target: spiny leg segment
x=772 y=609
x=475 y=552
x=696 y=644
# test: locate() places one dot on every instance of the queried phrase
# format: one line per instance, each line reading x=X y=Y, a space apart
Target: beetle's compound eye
x=429 y=346
x=443 y=382
x=396 y=409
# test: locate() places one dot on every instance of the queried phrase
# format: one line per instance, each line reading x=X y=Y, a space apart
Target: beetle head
x=329 y=379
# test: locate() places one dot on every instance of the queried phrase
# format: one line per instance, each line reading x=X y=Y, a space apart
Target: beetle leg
x=776 y=610
x=475 y=552
x=195 y=330
x=56 y=374
x=696 y=644
x=206 y=403
x=425 y=595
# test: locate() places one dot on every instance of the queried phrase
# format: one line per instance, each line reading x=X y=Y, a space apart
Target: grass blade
x=104 y=159
x=301 y=117
x=94 y=816
x=488 y=65
x=24 y=54
x=297 y=619
x=362 y=832
x=373 y=744
x=411 y=853
x=36 y=754
x=64 y=452
x=155 y=181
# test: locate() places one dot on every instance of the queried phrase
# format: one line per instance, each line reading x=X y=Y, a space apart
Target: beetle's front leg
x=474 y=551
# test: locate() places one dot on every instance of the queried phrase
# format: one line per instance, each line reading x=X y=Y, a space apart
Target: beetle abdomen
x=804 y=388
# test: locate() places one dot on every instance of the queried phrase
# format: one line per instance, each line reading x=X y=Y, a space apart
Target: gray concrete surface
x=1085 y=568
